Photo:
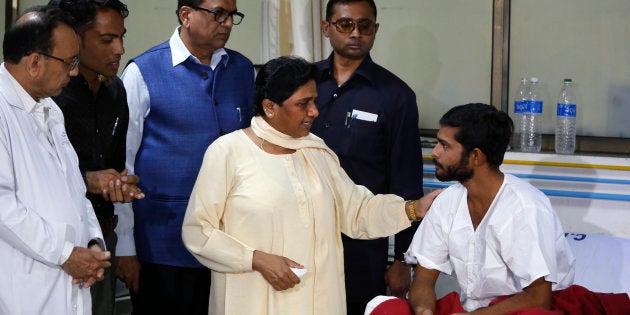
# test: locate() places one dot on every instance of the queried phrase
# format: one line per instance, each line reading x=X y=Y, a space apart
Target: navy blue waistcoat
x=190 y=107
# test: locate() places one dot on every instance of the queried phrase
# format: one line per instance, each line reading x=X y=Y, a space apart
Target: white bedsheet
x=602 y=262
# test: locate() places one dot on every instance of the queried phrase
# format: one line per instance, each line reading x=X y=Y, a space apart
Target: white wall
x=441 y=48
x=588 y=41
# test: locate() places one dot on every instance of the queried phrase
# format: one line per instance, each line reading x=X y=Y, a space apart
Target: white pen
x=115 y=126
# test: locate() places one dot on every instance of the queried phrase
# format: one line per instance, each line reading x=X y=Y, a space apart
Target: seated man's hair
x=481 y=126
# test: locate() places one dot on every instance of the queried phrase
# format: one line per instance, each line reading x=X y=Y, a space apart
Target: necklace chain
x=261 y=144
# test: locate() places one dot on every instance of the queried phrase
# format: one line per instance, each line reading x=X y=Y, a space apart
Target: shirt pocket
x=365 y=137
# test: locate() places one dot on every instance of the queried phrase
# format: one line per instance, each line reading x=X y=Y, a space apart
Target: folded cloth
x=574 y=300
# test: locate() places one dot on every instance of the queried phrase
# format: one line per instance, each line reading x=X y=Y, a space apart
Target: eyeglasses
x=72 y=64
x=221 y=15
x=345 y=25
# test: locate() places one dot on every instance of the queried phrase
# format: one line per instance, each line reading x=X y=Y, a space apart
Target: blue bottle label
x=566 y=110
x=520 y=107
x=534 y=107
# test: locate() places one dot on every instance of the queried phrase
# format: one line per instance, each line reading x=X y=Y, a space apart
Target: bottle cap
x=534 y=79
x=567 y=80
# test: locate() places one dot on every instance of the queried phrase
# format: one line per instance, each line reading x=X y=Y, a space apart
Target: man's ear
x=183 y=15
x=34 y=64
x=325 y=27
x=477 y=157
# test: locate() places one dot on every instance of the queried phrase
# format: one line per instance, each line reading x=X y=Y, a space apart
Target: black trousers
x=169 y=290
x=104 y=292
x=365 y=263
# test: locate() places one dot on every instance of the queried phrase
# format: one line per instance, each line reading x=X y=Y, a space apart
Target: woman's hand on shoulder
x=423 y=204
x=276 y=270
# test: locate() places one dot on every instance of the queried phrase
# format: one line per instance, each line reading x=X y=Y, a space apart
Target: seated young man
x=498 y=234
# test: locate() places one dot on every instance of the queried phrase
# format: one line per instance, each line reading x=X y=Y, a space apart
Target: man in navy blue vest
x=182 y=94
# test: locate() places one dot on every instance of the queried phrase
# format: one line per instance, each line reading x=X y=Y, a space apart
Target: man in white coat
x=50 y=241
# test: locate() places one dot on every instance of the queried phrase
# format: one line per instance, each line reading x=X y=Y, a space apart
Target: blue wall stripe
x=587 y=195
x=551 y=192
x=559 y=178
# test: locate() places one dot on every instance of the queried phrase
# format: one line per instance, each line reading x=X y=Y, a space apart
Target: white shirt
x=519 y=240
x=139 y=108
x=44 y=210
x=39 y=111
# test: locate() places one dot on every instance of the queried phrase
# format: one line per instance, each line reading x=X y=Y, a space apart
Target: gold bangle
x=410 y=206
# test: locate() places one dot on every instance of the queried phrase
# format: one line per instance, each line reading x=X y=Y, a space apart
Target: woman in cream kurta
x=292 y=205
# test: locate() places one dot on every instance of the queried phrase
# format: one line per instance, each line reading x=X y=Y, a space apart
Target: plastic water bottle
x=531 y=136
x=520 y=104
x=565 y=119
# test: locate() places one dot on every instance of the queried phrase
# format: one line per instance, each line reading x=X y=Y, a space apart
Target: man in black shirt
x=96 y=115
x=369 y=118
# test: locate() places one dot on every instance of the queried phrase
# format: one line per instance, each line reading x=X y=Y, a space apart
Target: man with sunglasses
x=50 y=241
x=182 y=94
x=369 y=117
x=94 y=106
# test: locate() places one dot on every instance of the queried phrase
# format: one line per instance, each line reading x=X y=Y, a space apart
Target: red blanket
x=574 y=300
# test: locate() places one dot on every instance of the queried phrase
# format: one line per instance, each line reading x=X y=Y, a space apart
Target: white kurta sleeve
x=138 y=100
x=429 y=246
x=362 y=214
x=202 y=228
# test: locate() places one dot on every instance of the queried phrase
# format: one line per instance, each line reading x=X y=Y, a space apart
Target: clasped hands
x=114 y=186
x=87 y=265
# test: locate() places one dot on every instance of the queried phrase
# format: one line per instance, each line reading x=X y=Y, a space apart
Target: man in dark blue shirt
x=369 y=117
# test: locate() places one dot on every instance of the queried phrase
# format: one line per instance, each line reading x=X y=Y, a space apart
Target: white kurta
x=294 y=205
x=519 y=240
x=43 y=210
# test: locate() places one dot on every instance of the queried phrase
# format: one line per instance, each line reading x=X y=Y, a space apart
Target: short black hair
x=84 y=11
x=279 y=78
x=188 y=3
x=35 y=34
x=481 y=126
x=330 y=6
